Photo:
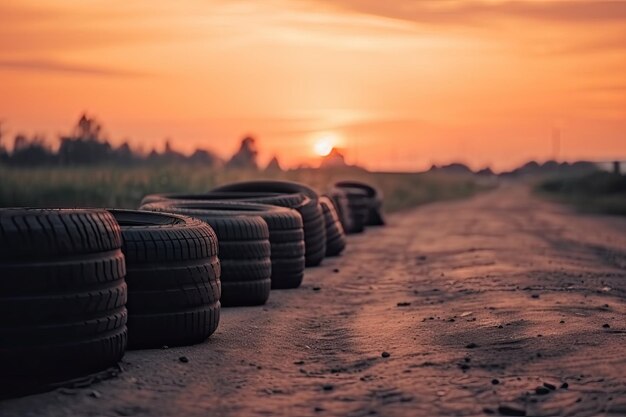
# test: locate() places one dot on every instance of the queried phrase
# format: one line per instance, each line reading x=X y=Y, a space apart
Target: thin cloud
x=472 y=12
x=596 y=46
x=42 y=65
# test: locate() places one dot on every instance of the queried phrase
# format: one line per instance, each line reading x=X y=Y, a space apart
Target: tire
x=173 y=277
x=335 y=236
x=246 y=276
x=373 y=197
x=210 y=196
x=357 y=208
x=62 y=296
x=292 y=195
x=286 y=236
x=340 y=200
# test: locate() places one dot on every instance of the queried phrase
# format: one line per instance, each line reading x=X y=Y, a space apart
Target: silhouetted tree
x=203 y=157
x=85 y=145
x=34 y=151
x=245 y=157
x=124 y=154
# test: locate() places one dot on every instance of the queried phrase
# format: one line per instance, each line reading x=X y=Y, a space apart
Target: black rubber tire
x=292 y=195
x=374 y=200
x=209 y=196
x=173 y=277
x=286 y=235
x=62 y=296
x=357 y=208
x=246 y=275
x=335 y=236
x=340 y=200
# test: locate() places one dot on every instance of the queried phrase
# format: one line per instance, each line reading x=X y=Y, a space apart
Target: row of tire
x=79 y=286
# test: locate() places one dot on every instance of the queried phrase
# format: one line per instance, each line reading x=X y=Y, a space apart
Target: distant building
x=453 y=168
x=334 y=159
x=273 y=165
x=245 y=157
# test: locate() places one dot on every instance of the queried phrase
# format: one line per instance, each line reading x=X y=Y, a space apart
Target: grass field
x=115 y=186
x=599 y=192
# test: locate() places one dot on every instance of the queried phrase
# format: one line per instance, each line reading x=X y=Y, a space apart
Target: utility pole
x=556 y=143
x=1 y=134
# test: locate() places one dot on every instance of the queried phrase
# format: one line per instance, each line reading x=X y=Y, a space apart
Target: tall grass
x=599 y=192
x=115 y=186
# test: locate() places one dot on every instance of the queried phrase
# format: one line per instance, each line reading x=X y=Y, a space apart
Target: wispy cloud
x=51 y=28
x=454 y=11
x=42 y=65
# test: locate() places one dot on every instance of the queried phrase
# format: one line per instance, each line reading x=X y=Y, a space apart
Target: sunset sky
x=398 y=84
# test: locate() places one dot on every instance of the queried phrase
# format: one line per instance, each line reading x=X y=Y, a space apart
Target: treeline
x=86 y=145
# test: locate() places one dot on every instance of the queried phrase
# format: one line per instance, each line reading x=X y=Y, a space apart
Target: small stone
x=535 y=296
x=495 y=381
x=336 y=270
x=511 y=410
x=165 y=347
x=385 y=354
x=95 y=394
x=564 y=385
x=183 y=359
x=542 y=391
x=328 y=387
x=562 y=321
x=549 y=386
x=318 y=409
x=471 y=345
x=298 y=363
x=403 y=304
x=606 y=326
x=316 y=288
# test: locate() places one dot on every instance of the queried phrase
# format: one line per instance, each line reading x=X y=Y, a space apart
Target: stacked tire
x=79 y=285
x=173 y=278
x=342 y=206
x=356 y=211
x=335 y=236
x=244 y=253
x=360 y=194
x=286 y=234
x=62 y=295
x=295 y=196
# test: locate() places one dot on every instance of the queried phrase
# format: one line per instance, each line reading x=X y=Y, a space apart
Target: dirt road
x=501 y=304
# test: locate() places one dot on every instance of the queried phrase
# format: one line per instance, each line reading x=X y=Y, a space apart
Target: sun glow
x=324 y=145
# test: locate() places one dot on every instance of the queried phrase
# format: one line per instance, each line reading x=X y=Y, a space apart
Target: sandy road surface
x=498 y=295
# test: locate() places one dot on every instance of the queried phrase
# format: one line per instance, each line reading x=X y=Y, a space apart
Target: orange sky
x=399 y=84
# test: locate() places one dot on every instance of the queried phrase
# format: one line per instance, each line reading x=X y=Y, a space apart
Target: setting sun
x=324 y=145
